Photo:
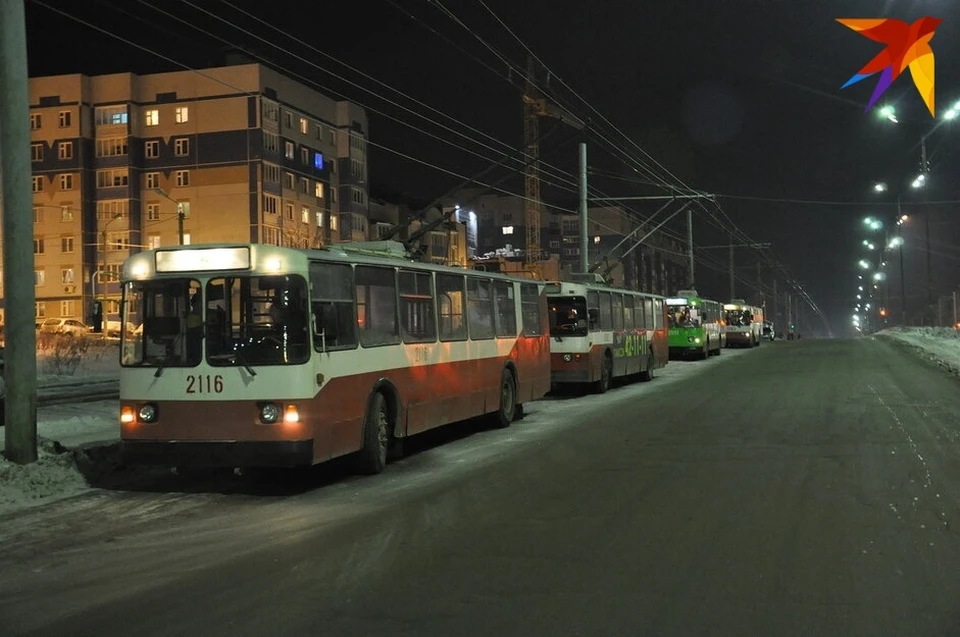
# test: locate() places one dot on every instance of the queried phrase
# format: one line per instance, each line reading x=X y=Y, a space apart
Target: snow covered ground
x=940 y=345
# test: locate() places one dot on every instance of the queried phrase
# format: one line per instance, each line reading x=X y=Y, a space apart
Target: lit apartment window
x=186 y=238
x=38 y=278
x=66 y=182
x=35 y=121
x=153 y=242
x=67 y=309
x=153 y=212
x=40 y=308
x=64 y=118
x=66 y=276
x=182 y=114
x=596 y=239
x=153 y=180
x=183 y=177
x=303 y=125
x=319 y=219
x=305 y=214
x=111 y=115
x=318 y=190
x=38 y=246
x=66 y=213
x=38 y=184
x=151 y=149
x=288 y=150
x=318 y=161
x=66 y=245
x=36 y=152
x=152 y=117
x=181 y=147
x=508 y=230
x=334 y=222
x=65 y=150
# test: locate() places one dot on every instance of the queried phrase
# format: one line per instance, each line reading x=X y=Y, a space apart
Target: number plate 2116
x=204 y=384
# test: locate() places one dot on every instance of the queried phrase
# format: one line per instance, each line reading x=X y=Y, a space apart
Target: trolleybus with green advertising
x=695 y=325
x=598 y=333
x=743 y=324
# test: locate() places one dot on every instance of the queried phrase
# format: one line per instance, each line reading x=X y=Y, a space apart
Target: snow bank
x=940 y=345
x=53 y=477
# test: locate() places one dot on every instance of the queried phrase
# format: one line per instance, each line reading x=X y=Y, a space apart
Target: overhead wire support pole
x=690 y=264
x=20 y=369
x=584 y=227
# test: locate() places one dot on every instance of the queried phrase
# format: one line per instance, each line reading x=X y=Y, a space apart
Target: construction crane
x=535 y=106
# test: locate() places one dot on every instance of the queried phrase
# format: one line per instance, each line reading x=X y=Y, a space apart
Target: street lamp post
x=180 y=213
x=103 y=263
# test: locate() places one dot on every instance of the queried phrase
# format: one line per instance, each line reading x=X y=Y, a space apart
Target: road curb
x=920 y=353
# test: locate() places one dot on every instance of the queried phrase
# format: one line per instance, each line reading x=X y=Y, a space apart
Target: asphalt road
x=805 y=488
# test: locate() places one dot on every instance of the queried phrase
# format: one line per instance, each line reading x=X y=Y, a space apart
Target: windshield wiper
x=233 y=357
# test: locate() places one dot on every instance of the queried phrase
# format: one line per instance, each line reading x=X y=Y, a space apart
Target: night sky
x=740 y=98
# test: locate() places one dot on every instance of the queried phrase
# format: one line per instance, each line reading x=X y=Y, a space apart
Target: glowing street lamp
x=919 y=181
x=879 y=187
x=896 y=242
x=889 y=113
x=864 y=264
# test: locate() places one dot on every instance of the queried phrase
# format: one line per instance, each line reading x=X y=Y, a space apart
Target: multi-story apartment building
x=244 y=152
x=445 y=244
x=659 y=265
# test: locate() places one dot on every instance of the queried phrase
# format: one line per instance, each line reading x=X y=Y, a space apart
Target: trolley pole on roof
x=20 y=365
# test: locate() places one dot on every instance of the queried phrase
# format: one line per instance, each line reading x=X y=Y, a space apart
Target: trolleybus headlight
x=567 y=358
x=148 y=413
x=269 y=413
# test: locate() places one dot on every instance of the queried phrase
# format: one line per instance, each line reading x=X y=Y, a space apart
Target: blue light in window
x=318 y=161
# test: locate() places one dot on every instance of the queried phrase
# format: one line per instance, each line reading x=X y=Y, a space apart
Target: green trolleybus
x=695 y=325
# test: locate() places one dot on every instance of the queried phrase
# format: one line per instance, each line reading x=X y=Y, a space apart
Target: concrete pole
x=693 y=282
x=733 y=290
x=20 y=375
x=584 y=227
x=776 y=304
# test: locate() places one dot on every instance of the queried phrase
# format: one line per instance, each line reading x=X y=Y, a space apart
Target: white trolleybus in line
x=599 y=333
x=743 y=324
x=256 y=355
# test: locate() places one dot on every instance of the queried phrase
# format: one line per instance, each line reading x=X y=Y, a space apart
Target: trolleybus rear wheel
x=606 y=375
x=507 y=409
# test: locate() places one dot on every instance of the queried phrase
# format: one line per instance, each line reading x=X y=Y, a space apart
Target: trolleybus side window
x=417 y=307
x=648 y=314
x=657 y=305
x=638 y=314
x=606 y=315
x=530 y=308
x=617 y=311
x=593 y=310
x=334 y=317
x=451 y=301
x=628 y=312
x=377 y=306
x=506 y=308
x=480 y=307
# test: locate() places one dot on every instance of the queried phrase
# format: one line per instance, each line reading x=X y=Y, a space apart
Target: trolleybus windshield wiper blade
x=233 y=357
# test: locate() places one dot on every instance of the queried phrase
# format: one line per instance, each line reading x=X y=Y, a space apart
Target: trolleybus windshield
x=684 y=316
x=568 y=316
x=243 y=320
x=739 y=317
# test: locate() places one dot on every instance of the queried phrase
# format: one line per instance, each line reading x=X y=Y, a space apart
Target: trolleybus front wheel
x=507 y=410
x=372 y=457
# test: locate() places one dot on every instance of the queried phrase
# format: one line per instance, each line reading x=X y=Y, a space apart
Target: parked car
x=113 y=327
x=65 y=326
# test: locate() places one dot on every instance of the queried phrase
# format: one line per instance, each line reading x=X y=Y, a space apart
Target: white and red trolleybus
x=743 y=324
x=256 y=355
x=599 y=333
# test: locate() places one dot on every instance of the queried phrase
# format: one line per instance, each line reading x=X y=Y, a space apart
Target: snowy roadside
x=939 y=345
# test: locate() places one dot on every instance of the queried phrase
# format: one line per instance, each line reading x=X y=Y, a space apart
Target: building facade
x=244 y=153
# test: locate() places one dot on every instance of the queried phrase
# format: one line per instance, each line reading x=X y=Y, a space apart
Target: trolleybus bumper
x=570 y=376
x=739 y=339
x=193 y=453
